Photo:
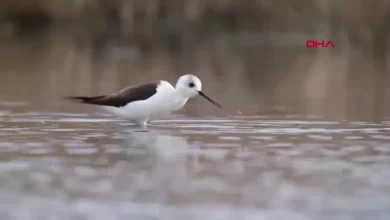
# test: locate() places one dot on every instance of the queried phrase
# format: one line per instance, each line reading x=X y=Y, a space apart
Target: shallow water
x=90 y=165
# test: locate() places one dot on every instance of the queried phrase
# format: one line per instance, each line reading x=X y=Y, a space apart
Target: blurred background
x=250 y=54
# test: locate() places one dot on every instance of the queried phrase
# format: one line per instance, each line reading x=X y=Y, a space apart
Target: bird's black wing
x=123 y=97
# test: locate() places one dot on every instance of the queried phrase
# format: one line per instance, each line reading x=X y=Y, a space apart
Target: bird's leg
x=142 y=124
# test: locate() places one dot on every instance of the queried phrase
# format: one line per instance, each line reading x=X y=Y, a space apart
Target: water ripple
x=95 y=167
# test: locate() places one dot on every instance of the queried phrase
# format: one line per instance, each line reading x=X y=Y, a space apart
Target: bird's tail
x=84 y=99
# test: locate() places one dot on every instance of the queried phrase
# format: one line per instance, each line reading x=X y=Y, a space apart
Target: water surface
x=90 y=165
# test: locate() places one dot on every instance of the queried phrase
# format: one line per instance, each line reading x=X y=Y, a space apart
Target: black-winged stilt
x=150 y=100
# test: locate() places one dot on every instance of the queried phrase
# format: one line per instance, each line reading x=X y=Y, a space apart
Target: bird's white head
x=190 y=86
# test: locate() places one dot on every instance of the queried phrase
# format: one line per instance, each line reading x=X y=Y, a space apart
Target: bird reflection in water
x=156 y=142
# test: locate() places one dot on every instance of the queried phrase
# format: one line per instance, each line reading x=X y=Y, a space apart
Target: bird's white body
x=166 y=100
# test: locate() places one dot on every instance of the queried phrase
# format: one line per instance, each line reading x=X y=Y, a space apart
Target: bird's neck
x=180 y=99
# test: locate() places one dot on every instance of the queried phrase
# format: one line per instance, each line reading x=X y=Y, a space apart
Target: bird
x=150 y=100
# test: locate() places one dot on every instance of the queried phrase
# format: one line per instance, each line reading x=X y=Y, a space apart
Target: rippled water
x=57 y=165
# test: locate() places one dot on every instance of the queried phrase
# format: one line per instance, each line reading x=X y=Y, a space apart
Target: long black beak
x=209 y=99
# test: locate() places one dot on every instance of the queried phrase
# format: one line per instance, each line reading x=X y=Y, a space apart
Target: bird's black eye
x=191 y=84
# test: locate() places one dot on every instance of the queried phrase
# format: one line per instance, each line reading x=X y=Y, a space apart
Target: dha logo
x=315 y=44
